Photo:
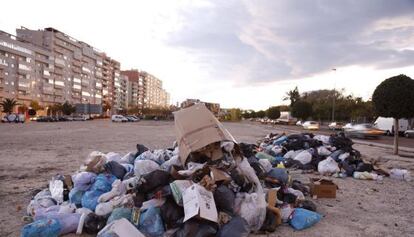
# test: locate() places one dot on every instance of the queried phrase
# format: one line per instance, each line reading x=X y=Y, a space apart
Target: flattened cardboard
x=219 y=175
x=122 y=228
x=198 y=201
x=196 y=127
x=323 y=188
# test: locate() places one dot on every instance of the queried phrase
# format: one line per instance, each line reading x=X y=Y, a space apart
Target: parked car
x=45 y=119
x=299 y=123
x=13 y=118
x=387 y=125
x=409 y=133
x=118 y=118
x=311 y=125
x=336 y=126
x=364 y=130
x=131 y=118
x=79 y=118
x=34 y=118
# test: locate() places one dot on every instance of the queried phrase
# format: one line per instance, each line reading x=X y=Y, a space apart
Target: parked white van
x=387 y=125
x=119 y=118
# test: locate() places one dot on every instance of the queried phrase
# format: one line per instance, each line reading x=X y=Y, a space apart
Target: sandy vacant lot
x=31 y=153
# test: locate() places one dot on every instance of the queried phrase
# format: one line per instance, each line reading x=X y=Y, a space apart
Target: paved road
x=403 y=142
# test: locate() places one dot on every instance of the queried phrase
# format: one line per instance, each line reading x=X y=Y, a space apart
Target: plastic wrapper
x=56 y=190
x=68 y=221
x=95 y=162
x=75 y=196
x=400 y=174
x=43 y=199
x=113 y=156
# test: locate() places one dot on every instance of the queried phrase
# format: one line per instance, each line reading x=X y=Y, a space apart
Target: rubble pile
x=206 y=184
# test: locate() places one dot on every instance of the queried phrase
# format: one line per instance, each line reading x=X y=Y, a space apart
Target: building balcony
x=24 y=97
x=49 y=99
x=59 y=100
x=77 y=63
x=76 y=69
x=48 y=90
x=58 y=71
x=59 y=92
x=59 y=62
x=59 y=49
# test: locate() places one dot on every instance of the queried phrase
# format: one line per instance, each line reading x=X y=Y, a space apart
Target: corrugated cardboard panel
x=196 y=127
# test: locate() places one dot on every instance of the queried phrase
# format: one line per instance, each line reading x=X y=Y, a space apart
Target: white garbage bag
x=292 y=154
x=323 y=151
x=328 y=166
x=252 y=208
x=305 y=157
x=265 y=163
x=142 y=167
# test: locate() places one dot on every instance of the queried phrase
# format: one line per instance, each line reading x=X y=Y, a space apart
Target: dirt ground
x=30 y=154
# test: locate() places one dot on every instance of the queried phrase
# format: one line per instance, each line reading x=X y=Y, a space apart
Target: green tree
x=68 y=109
x=260 y=114
x=34 y=104
x=293 y=96
x=302 y=110
x=273 y=112
x=55 y=109
x=394 y=98
x=8 y=105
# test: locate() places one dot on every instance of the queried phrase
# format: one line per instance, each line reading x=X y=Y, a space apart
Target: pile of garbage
x=206 y=184
x=327 y=155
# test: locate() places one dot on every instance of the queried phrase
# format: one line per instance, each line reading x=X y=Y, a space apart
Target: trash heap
x=328 y=155
x=206 y=184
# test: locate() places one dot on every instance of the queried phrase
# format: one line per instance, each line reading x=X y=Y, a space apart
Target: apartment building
x=26 y=71
x=52 y=67
x=77 y=74
x=155 y=95
x=136 y=89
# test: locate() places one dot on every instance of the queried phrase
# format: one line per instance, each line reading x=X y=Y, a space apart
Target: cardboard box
x=199 y=202
x=121 y=228
x=323 y=188
x=196 y=127
x=219 y=175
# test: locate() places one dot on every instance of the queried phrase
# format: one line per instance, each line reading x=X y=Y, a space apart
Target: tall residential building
x=52 y=67
x=26 y=71
x=155 y=95
x=136 y=88
x=77 y=73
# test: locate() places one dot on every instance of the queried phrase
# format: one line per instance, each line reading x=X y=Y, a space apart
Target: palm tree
x=292 y=95
x=8 y=105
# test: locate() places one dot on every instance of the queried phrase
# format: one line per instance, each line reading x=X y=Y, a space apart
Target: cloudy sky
x=243 y=54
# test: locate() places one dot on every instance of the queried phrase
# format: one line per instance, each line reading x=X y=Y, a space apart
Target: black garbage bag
x=244 y=184
x=224 y=198
x=347 y=167
x=94 y=223
x=140 y=149
x=151 y=181
x=341 y=142
x=197 y=228
x=236 y=227
x=258 y=168
x=308 y=205
x=362 y=167
x=296 y=184
x=115 y=169
x=270 y=223
x=291 y=163
x=171 y=213
x=247 y=150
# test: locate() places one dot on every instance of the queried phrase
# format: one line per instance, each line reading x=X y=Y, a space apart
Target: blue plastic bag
x=150 y=222
x=118 y=213
x=280 y=140
x=42 y=228
x=75 y=196
x=302 y=218
x=83 y=180
x=68 y=221
x=279 y=174
x=103 y=183
x=90 y=199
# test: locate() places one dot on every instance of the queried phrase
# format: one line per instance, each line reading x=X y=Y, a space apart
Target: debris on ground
x=206 y=184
